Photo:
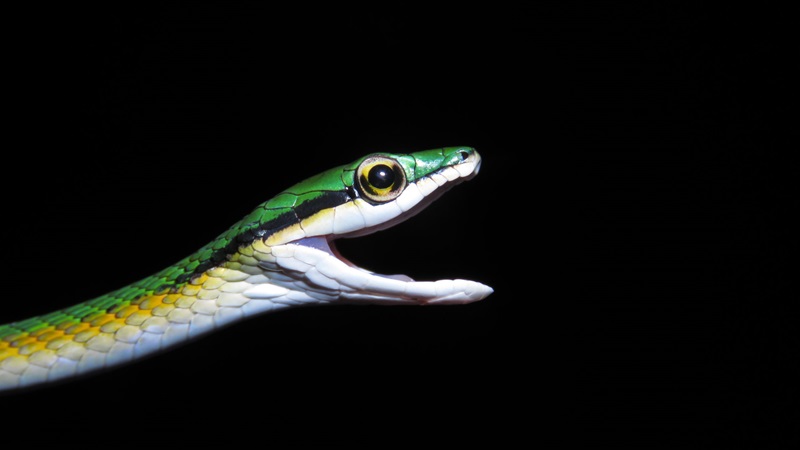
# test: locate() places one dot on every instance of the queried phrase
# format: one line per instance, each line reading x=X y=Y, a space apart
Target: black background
x=625 y=215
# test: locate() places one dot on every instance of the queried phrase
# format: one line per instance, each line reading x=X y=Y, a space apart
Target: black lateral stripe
x=327 y=199
x=265 y=229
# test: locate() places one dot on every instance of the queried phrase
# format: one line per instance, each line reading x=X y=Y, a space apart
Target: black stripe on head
x=326 y=200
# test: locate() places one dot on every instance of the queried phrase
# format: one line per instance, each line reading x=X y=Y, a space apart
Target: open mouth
x=317 y=262
x=326 y=270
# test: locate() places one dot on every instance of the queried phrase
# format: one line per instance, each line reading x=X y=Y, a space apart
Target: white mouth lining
x=322 y=268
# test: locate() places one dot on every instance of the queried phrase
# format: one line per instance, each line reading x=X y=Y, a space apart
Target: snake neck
x=145 y=317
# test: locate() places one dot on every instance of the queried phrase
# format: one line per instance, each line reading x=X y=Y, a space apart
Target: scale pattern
x=139 y=319
x=245 y=271
x=186 y=299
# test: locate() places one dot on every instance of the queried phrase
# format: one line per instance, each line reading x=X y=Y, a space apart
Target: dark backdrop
x=624 y=215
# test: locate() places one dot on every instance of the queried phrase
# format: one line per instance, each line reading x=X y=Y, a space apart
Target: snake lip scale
x=283 y=254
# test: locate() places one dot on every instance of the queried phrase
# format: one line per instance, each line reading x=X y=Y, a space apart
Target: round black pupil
x=381 y=176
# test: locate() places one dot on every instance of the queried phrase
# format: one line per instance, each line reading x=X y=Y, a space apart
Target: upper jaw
x=418 y=195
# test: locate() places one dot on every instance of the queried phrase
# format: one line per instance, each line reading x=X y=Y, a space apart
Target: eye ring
x=380 y=179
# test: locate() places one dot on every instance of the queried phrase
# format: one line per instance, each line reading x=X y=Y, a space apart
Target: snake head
x=371 y=194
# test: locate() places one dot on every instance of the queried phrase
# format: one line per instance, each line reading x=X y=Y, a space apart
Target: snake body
x=280 y=255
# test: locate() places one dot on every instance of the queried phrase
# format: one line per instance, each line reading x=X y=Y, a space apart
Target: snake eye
x=381 y=176
x=380 y=179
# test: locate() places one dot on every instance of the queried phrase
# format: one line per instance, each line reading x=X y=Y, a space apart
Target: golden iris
x=380 y=179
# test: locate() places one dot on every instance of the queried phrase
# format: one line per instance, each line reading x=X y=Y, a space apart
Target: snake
x=282 y=254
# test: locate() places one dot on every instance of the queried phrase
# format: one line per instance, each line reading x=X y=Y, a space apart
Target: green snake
x=282 y=254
